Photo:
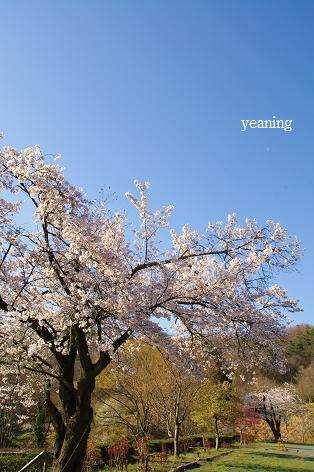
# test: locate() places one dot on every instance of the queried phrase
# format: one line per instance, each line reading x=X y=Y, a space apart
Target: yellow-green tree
x=145 y=392
x=305 y=383
x=174 y=391
x=216 y=407
x=125 y=395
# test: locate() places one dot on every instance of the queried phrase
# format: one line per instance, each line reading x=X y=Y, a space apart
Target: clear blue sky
x=156 y=90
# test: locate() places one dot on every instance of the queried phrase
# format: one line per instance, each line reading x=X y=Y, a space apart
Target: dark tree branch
x=105 y=358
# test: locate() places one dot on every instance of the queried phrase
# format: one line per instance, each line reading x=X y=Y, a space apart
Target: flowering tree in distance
x=275 y=406
x=74 y=288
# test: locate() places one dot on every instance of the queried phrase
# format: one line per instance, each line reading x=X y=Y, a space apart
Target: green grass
x=172 y=462
x=258 y=458
x=266 y=459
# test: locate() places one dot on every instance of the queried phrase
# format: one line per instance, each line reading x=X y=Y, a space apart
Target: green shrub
x=199 y=437
x=14 y=462
x=195 y=440
x=24 y=440
x=160 y=445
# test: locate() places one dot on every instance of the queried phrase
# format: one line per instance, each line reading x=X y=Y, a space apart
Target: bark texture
x=73 y=416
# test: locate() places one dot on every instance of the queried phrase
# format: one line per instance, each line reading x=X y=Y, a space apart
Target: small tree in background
x=125 y=394
x=173 y=392
x=216 y=407
x=247 y=424
x=118 y=454
x=146 y=392
x=305 y=383
x=41 y=424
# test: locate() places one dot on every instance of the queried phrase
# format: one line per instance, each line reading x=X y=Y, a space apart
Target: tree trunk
x=73 y=450
x=275 y=428
x=72 y=426
x=176 y=440
x=277 y=434
x=177 y=423
x=217 y=433
x=273 y=421
x=72 y=423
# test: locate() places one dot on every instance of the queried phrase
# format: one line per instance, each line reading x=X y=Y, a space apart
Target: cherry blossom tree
x=275 y=406
x=76 y=285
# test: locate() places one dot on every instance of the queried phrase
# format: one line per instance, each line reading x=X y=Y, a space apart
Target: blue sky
x=155 y=91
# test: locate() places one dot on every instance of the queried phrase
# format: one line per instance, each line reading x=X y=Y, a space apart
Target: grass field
x=260 y=458
x=264 y=459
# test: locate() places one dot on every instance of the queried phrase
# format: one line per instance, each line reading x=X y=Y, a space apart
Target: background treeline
x=145 y=395
x=156 y=406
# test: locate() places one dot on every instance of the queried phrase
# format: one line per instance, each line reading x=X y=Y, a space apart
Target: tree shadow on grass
x=282 y=456
x=263 y=468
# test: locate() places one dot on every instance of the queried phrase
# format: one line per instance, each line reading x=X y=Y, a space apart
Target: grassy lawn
x=261 y=458
x=171 y=462
x=264 y=459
